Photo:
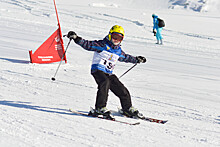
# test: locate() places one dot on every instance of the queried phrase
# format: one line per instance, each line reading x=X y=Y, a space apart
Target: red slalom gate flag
x=50 y=51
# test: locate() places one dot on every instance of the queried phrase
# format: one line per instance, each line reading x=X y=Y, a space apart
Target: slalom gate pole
x=53 y=78
x=128 y=70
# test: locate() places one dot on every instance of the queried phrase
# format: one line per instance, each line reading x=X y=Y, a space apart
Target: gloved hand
x=141 y=59
x=154 y=32
x=72 y=35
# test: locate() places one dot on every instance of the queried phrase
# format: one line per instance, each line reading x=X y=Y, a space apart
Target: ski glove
x=141 y=59
x=73 y=35
x=154 y=32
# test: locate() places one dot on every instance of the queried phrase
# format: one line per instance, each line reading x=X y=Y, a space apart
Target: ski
x=159 y=121
x=101 y=117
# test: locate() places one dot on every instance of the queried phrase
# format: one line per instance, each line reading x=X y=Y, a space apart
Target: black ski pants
x=106 y=82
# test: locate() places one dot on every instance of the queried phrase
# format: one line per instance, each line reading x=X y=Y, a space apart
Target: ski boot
x=131 y=112
x=104 y=112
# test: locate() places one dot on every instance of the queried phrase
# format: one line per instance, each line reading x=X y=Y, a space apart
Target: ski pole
x=128 y=70
x=53 y=78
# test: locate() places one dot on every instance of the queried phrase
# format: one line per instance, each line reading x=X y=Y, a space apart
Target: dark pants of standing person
x=106 y=82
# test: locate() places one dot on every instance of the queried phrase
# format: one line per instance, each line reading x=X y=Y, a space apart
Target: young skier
x=106 y=53
x=157 y=33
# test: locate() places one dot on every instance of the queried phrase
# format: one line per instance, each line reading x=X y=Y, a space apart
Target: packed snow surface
x=179 y=83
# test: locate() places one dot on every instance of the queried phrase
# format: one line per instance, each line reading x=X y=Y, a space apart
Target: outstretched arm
x=86 y=44
x=127 y=58
x=132 y=59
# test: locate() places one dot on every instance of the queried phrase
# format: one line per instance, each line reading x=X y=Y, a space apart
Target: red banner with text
x=51 y=50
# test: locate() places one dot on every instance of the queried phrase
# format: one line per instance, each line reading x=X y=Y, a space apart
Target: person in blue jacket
x=158 y=31
x=106 y=53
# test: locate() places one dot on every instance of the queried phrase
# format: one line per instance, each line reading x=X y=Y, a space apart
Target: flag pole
x=59 y=29
x=56 y=13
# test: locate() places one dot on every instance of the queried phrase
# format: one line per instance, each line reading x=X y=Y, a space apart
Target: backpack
x=161 y=23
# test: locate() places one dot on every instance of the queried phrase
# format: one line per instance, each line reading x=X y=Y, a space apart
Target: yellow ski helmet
x=116 y=29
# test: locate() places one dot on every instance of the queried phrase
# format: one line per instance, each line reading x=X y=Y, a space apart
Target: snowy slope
x=180 y=82
x=196 y=5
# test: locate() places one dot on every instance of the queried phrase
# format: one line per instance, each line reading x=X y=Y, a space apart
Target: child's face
x=116 y=38
x=115 y=42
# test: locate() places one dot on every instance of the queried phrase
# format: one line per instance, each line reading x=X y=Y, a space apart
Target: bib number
x=108 y=65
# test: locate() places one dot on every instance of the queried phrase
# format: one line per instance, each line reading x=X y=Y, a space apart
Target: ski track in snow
x=179 y=82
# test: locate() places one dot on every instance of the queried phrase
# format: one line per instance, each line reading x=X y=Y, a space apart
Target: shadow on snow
x=16 y=60
x=27 y=105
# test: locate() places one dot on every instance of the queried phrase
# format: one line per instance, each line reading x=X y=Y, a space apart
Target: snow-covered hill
x=196 y=5
x=180 y=82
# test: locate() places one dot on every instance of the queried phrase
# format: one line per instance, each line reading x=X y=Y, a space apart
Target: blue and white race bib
x=105 y=60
